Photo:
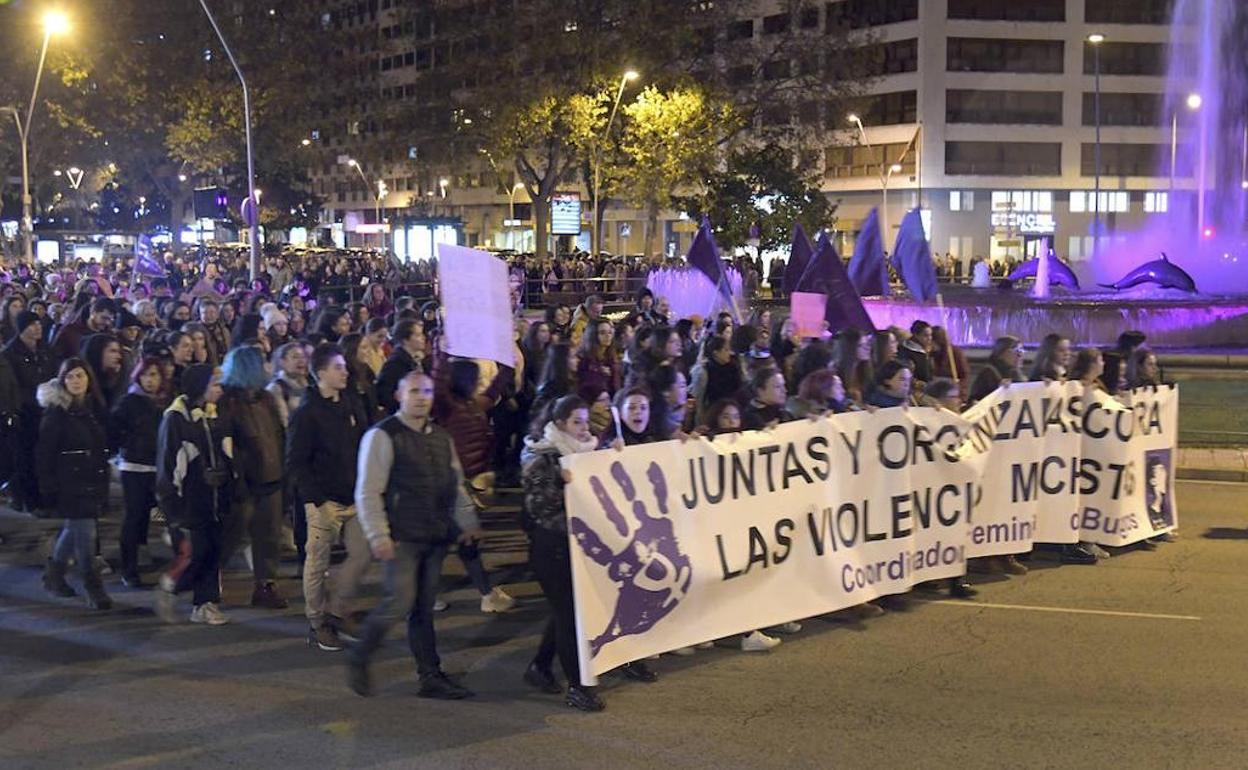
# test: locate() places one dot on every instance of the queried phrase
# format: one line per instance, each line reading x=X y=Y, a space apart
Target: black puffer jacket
x=542 y=479
x=71 y=456
x=322 y=447
x=133 y=426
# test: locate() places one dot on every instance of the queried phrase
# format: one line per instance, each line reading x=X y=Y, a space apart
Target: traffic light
x=211 y=203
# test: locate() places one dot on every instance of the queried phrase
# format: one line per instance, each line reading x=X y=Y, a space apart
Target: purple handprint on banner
x=652 y=573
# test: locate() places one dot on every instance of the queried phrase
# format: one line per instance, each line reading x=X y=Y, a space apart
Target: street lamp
x=1096 y=39
x=886 y=172
x=382 y=191
x=1193 y=102
x=511 y=221
x=254 y=237
x=54 y=23
x=596 y=235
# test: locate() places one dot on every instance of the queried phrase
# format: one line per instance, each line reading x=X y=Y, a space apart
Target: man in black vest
x=412 y=504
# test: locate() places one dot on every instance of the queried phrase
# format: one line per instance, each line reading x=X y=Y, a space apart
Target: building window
x=1124 y=109
x=1030 y=107
x=961 y=200
x=1003 y=158
x=1124 y=159
x=776 y=24
x=1156 y=202
x=861 y=161
x=1008 y=10
x=972 y=54
x=888 y=109
x=1111 y=201
x=778 y=69
x=1023 y=201
x=1134 y=12
x=1126 y=58
x=856 y=14
x=740 y=30
x=890 y=58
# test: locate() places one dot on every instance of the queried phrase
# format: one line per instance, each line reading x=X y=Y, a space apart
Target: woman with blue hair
x=255 y=442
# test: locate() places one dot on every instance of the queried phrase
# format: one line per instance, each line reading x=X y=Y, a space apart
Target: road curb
x=1212 y=474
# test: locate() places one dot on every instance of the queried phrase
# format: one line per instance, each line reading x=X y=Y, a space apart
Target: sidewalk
x=1213 y=464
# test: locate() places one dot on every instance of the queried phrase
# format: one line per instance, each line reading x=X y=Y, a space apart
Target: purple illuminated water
x=690 y=292
x=1207 y=58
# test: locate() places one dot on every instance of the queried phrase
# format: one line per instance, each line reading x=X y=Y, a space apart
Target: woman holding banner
x=563 y=431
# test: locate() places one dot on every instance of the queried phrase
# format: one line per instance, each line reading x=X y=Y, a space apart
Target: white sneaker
x=706 y=646
x=102 y=566
x=683 y=652
x=208 y=614
x=759 y=642
x=497 y=600
x=167 y=583
x=440 y=606
x=1097 y=551
x=164 y=608
x=786 y=628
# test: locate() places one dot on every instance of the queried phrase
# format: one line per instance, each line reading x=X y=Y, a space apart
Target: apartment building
x=982 y=112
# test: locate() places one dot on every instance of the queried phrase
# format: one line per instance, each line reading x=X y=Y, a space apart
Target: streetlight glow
x=353 y=163
x=1194 y=101
x=1096 y=38
x=853 y=118
x=305 y=142
x=55 y=23
x=896 y=168
x=75 y=170
x=631 y=75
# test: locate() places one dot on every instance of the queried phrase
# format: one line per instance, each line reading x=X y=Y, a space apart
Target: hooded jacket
x=71 y=455
x=188 y=452
x=133 y=426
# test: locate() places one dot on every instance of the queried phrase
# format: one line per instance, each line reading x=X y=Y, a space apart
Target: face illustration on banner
x=1157 y=488
x=652 y=573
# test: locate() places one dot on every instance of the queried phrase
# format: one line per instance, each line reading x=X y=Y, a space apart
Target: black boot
x=584 y=698
x=542 y=678
x=960 y=589
x=97 y=597
x=54 y=580
x=638 y=671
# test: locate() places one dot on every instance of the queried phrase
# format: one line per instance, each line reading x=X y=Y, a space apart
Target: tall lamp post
x=1193 y=103
x=1096 y=39
x=54 y=23
x=511 y=210
x=619 y=94
x=382 y=191
x=886 y=172
x=254 y=236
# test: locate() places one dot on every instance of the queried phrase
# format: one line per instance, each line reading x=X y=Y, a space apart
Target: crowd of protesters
x=244 y=414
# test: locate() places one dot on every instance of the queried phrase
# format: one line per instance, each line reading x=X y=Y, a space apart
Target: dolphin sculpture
x=1162 y=272
x=1059 y=272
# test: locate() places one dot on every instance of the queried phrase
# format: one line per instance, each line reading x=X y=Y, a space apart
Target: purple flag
x=799 y=258
x=826 y=275
x=144 y=262
x=912 y=257
x=867 y=269
x=704 y=256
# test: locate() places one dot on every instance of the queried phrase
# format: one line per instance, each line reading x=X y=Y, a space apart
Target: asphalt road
x=1137 y=662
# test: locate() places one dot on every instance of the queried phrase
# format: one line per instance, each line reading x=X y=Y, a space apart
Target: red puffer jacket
x=474 y=438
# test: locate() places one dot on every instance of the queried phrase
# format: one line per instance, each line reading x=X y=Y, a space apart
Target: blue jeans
x=77 y=539
x=409 y=589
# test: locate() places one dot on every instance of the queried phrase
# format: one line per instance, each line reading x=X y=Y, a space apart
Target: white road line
x=1067 y=610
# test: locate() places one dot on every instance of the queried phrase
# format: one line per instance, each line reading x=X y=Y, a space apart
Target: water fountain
x=1202 y=230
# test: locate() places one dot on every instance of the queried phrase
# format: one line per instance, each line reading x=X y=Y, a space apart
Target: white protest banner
x=675 y=544
x=1031 y=492
x=1128 y=453
x=476 y=304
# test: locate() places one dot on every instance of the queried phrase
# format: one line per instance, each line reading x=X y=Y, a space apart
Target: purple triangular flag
x=912 y=257
x=867 y=269
x=704 y=256
x=826 y=275
x=799 y=258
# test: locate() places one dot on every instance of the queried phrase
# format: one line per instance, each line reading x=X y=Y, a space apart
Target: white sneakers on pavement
x=757 y=641
x=497 y=600
x=210 y=614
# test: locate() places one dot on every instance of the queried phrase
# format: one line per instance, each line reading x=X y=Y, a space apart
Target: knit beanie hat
x=195 y=381
x=274 y=317
x=26 y=318
x=128 y=320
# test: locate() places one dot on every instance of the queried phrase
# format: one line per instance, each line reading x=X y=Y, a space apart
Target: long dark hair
x=556 y=378
x=1045 y=364
x=555 y=411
